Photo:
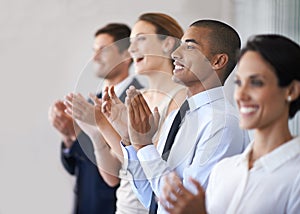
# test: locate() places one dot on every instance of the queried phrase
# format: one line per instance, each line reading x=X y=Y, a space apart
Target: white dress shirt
x=209 y=132
x=272 y=185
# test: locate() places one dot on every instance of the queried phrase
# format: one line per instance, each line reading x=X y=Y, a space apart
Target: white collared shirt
x=209 y=132
x=272 y=185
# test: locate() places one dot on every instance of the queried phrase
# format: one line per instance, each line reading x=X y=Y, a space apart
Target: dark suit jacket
x=92 y=194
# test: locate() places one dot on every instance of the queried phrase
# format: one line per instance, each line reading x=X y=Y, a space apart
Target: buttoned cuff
x=148 y=153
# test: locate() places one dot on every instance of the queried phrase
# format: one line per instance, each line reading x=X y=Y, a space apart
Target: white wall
x=43 y=47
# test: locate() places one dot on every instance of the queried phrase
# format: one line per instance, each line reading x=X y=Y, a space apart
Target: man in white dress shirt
x=210 y=129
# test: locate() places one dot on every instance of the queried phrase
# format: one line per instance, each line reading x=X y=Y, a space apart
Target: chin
x=246 y=126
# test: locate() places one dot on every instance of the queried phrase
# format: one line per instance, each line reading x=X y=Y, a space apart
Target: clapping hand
x=116 y=112
x=176 y=199
x=143 y=124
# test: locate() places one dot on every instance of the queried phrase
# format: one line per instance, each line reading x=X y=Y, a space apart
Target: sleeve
x=293 y=205
x=154 y=168
x=69 y=157
x=217 y=141
x=135 y=174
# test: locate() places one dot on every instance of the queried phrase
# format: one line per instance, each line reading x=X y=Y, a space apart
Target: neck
x=270 y=138
x=115 y=80
x=200 y=85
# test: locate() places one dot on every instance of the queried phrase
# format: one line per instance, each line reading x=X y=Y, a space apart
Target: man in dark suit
x=92 y=194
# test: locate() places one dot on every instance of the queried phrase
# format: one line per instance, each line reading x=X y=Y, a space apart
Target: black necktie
x=168 y=145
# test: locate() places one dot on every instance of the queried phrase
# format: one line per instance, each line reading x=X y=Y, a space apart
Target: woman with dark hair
x=266 y=177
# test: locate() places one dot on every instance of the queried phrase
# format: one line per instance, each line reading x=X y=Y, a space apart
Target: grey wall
x=44 y=45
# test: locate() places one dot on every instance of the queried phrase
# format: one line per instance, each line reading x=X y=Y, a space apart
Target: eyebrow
x=253 y=76
x=191 y=40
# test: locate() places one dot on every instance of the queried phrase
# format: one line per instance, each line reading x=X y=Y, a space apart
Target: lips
x=178 y=67
x=139 y=59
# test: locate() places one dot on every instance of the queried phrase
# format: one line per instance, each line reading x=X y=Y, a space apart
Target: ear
x=219 y=61
x=168 y=45
x=293 y=91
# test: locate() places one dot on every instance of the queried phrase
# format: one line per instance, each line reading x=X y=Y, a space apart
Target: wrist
x=67 y=141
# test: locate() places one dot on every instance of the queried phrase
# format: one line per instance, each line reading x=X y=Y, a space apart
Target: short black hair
x=283 y=54
x=120 y=33
x=223 y=39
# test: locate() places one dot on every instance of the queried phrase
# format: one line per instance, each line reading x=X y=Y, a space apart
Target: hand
x=142 y=123
x=177 y=199
x=116 y=112
x=63 y=123
x=80 y=109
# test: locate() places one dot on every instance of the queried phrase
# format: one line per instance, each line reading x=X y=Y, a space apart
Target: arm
x=91 y=115
x=293 y=205
x=87 y=116
x=69 y=130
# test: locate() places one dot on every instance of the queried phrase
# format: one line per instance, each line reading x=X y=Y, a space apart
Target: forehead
x=103 y=39
x=199 y=34
x=253 y=63
x=143 y=27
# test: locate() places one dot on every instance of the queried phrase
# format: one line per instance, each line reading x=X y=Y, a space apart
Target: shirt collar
x=121 y=86
x=244 y=157
x=281 y=155
x=205 y=97
x=274 y=159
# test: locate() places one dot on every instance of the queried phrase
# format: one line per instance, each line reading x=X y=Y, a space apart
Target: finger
x=131 y=92
x=156 y=116
x=69 y=97
x=59 y=105
x=197 y=185
x=69 y=112
x=144 y=104
x=73 y=110
x=95 y=99
x=135 y=111
x=79 y=102
x=105 y=95
x=165 y=205
x=106 y=107
x=111 y=91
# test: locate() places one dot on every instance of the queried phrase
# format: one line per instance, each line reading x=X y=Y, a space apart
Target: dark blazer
x=92 y=194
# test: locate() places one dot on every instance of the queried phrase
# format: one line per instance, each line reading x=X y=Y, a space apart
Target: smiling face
x=261 y=102
x=192 y=65
x=145 y=48
x=107 y=57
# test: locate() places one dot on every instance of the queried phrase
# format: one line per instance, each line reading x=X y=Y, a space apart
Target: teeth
x=178 y=67
x=246 y=110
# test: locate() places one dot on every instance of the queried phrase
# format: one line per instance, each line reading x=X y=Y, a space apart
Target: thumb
x=95 y=99
x=113 y=95
x=156 y=116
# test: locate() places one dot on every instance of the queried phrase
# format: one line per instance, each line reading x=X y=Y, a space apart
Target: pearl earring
x=289 y=99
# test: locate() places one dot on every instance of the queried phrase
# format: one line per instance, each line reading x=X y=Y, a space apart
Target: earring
x=289 y=98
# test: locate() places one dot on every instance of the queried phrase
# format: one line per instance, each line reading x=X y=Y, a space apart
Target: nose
x=96 y=55
x=176 y=54
x=132 y=47
x=241 y=93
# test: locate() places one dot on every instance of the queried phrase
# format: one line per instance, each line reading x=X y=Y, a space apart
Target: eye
x=190 y=47
x=237 y=82
x=141 y=38
x=256 y=82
